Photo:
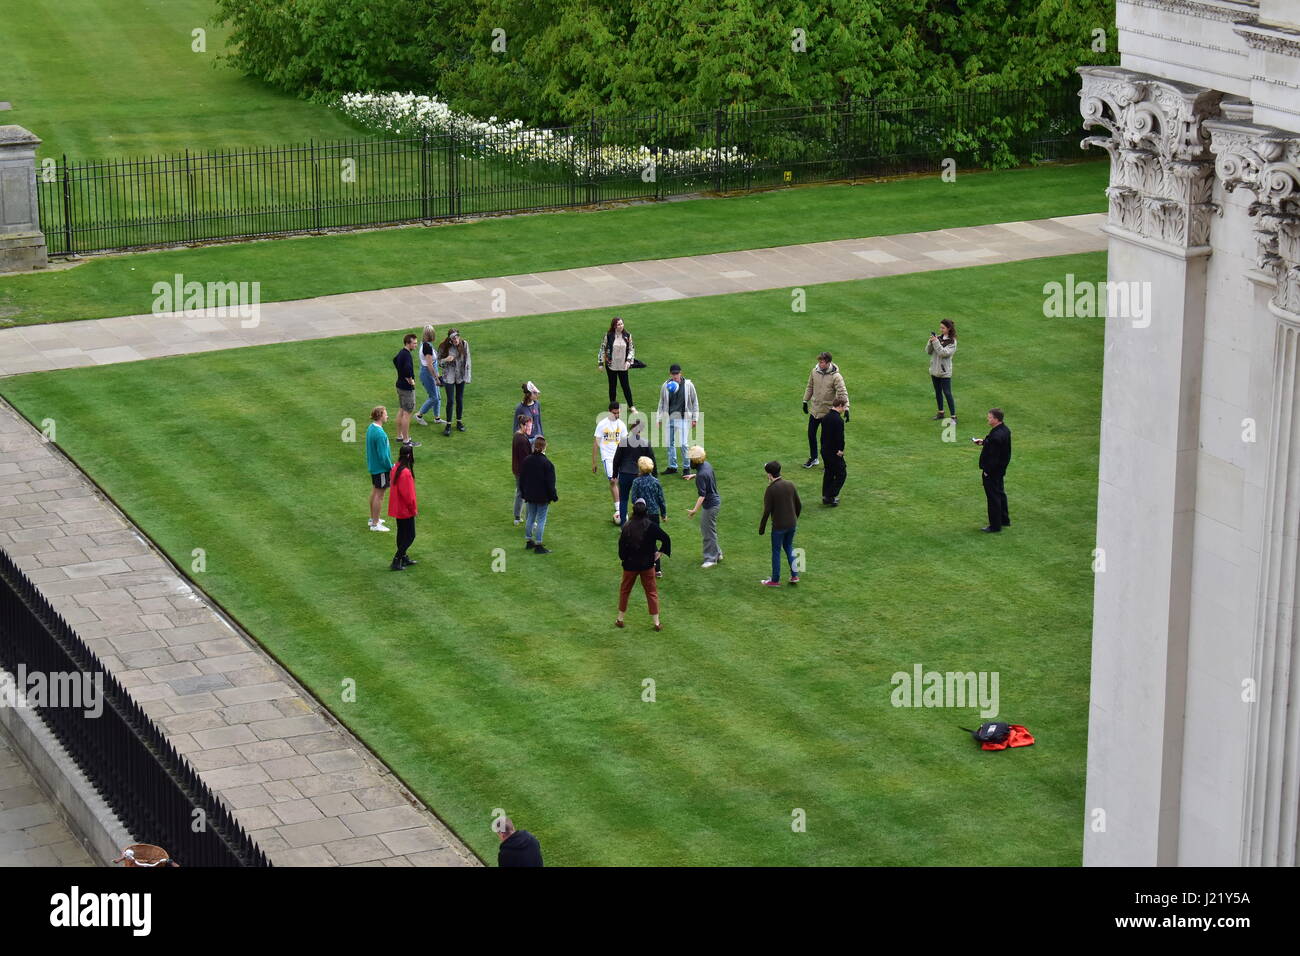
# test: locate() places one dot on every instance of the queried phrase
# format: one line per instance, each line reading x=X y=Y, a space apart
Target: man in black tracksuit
x=518 y=847
x=995 y=455
x=833 y=453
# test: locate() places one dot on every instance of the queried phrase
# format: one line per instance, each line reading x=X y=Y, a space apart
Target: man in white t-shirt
x=610 y=433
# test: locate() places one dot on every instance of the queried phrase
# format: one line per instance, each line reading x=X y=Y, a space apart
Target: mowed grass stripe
x=514 y=689
x=269 y=386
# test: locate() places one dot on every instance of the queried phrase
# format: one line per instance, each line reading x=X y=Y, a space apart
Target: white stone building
x=1194 y=727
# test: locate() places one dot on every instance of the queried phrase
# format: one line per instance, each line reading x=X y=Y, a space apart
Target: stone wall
x=1192 y=749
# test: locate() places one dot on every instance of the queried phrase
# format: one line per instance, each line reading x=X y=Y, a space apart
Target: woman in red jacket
x=401 y=504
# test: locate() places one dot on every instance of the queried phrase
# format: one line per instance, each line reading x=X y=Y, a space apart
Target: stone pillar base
x=23 y=252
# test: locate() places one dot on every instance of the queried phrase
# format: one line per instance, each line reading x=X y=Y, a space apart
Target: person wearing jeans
x=521 y=448
x=781 y=504
x=626 y=468
x=782 y=540
x=430 y=378
x=537 y=482
x=679 y=407
x=940 y=348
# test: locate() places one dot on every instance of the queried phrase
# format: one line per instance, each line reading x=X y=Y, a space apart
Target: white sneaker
x=518 y=522
x=709 y=564
x=420 y=420
x=379 y=527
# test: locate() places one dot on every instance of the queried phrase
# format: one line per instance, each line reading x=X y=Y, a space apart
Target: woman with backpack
x=617 y=355
x=940 y=348
x=640 y=544
x=401 y=505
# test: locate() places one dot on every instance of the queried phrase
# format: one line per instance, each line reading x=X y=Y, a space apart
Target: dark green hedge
x=565 y=58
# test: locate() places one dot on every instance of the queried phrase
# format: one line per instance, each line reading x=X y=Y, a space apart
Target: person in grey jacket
x=453 y=357
x=679 y=407
x=940 y=348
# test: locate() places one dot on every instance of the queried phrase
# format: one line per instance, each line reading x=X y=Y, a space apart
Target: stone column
x=22 y=244
x=1160 y=210
x=1266 y=161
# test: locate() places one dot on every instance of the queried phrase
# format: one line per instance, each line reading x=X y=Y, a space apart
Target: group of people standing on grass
x=625 y=457
x=445 y=366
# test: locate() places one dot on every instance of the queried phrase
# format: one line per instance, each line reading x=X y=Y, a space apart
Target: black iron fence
x=154 y=792
x=225 y=194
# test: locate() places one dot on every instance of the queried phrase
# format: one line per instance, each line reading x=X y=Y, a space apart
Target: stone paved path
x=136 y=337
x=308 y=792
x=31 y=830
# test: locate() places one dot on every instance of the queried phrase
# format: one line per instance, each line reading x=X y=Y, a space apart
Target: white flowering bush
x=410 y=114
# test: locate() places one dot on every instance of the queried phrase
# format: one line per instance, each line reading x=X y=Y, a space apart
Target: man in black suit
x=833 y=453
x=995 y=455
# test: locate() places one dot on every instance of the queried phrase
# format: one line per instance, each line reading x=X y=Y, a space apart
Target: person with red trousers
x=401 y=505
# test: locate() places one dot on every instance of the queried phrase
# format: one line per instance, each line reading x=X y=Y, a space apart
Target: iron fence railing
x=153 y=790
x=244 y=193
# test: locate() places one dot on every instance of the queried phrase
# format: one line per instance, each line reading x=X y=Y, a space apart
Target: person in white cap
x=530 y=407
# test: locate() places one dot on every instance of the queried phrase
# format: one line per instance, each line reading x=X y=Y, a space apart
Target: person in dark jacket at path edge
x=518 y=847
x=995 y=456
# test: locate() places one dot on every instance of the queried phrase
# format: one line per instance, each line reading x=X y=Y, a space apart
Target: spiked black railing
x=310 y=187
x=153 y=790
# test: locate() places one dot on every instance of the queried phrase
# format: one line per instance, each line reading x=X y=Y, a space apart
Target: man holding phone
x=995 y=456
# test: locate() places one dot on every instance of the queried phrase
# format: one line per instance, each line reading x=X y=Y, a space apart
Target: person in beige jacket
x=940 y=349
x=825 y=385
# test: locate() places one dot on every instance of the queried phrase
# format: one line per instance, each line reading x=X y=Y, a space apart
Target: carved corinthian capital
x=1266 y=162
x=1161 y=170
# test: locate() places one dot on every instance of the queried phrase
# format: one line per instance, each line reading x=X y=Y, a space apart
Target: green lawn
x=305 y=267
x=108 y=78
x=513 y=689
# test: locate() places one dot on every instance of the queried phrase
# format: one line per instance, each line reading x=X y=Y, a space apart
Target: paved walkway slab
x=306 y=790
x=32 y=832
x=137 y=337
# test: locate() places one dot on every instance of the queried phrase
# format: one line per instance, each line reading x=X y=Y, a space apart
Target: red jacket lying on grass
x=401 y=500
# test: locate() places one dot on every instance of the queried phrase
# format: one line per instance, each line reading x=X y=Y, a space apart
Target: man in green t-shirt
x=380 y=462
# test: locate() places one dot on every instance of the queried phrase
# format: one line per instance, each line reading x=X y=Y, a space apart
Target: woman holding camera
x=940 y=348
x=453 y=358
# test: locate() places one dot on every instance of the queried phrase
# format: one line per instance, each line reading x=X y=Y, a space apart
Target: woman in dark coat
x=625 y=465
x=639 y=545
